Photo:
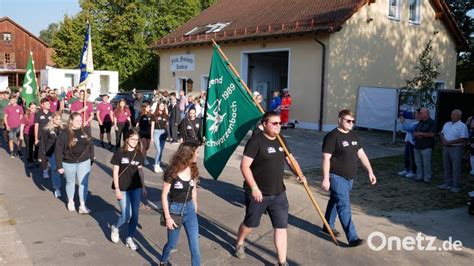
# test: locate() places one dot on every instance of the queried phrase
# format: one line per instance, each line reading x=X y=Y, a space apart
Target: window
x=394 y=9
x=414 y=11
x=7 y=59
x=209 y=28
x=204 y=82
x=7 y=36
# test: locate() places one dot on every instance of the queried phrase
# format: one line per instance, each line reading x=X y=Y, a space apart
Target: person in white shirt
x=453 y=137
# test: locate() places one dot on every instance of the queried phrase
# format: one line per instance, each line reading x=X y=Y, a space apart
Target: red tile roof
x=252 y=18
x=264 y=18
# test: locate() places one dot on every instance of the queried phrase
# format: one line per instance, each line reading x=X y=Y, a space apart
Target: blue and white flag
x=87 y=64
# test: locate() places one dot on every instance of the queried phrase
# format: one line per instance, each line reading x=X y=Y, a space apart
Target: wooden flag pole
x=287 y=153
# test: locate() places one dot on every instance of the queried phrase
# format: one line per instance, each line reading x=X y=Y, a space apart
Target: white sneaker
x=146 y=162
x=84 y=210
x=71 y=207
x=45 y=173
x=157 y=168
x=410 y=175
x=403 y=173
x=114 y=234
x=57 y=193
x=130 y=244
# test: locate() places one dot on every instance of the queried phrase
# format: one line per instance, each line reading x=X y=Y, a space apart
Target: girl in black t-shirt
x=144 y=126
x=159 y=123
x=179 y=197
x=128 y=185
x=190 y=128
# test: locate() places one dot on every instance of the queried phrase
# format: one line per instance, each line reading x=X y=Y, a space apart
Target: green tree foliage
x=47 y=35
x=465 y=65
x=421 y=88
x=122 y=32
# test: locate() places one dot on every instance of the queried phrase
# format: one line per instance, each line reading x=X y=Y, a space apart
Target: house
x=16 y=43
x=322 y=51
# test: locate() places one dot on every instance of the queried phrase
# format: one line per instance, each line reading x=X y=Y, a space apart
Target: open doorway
x=265 y=72
x=181 y=85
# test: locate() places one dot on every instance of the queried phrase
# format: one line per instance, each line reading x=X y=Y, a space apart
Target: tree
x=421 y=88
x=48 y=34
x=465 y=64
x=122 y=33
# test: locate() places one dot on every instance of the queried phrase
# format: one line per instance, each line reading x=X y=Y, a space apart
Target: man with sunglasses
x=262 y=167
x=341 y=149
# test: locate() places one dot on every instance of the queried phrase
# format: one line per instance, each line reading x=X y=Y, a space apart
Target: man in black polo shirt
x=341 y=148
x=262 y=167
x=424 y=144
x=42 y=118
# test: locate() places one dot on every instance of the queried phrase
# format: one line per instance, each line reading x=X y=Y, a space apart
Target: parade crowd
x=67 y=149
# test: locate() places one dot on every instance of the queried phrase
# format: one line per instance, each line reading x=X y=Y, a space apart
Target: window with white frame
x=414 y=11
x=7 y=36
x=204 y=82
x=394 y=9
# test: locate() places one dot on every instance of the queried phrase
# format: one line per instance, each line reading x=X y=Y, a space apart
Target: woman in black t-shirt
x=128 y=185
x=159 y=123
x=190 y=128
x=179 y=197
x=144 y=126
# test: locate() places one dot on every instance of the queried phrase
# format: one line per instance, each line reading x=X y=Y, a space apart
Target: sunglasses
x=352 y=121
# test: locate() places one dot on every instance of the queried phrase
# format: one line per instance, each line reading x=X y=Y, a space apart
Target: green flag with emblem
x=230 y=113
x=30 y=87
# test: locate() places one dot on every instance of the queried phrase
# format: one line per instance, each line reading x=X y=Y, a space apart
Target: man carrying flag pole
x=30 y=86
x=86 y=65
x=230 y=113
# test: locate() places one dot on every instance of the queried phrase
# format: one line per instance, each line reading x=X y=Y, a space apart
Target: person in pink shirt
x=27 y=133
x=13 y=117
x=54 y=104
x=105 y=114
x=87 y=108
x=122 y=121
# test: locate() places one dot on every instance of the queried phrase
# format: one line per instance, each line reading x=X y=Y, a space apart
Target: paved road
x=36 y=228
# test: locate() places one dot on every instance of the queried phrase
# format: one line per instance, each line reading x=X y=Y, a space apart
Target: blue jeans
x=129 y=207
x=423 y=164
x=81 y=171
x=191 y=226
x=159 y=139
x=56 y=177
x=409 y=157
x=339 y=204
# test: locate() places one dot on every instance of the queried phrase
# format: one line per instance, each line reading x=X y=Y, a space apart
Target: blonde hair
x=50 y=126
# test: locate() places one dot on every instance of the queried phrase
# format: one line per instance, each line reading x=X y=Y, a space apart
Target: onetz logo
x=377 y=241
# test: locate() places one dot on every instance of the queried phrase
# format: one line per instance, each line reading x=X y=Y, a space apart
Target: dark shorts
x=105 y=127
x=275 y=205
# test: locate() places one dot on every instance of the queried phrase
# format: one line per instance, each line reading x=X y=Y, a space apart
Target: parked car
x=128 y=96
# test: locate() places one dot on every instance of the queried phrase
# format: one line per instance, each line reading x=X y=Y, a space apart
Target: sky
x=36 y=15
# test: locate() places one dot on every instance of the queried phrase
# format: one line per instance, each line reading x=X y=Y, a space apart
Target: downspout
x=158 y=72
x=323 y=70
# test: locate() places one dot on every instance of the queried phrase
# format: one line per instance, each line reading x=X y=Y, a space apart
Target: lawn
x=395 y=193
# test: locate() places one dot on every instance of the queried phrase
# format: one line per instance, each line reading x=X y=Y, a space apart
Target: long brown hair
x=70 y=140
x=143 y=109
x=28 y=111
x=118 y=108
x=50 y=126
x=182 y=159
x=163 y=113
x=132 y=132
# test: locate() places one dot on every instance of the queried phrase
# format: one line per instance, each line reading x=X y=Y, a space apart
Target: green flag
x=30 y=87
x=230 y=113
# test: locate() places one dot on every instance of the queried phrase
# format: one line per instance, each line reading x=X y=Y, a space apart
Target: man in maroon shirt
x=105 y=115
x=82 y=106
x=13 y=117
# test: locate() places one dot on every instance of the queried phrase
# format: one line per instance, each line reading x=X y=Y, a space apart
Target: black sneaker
x=356 y=243
x=334 y=231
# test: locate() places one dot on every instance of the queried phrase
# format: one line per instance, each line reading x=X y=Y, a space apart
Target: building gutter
x=323 y=70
